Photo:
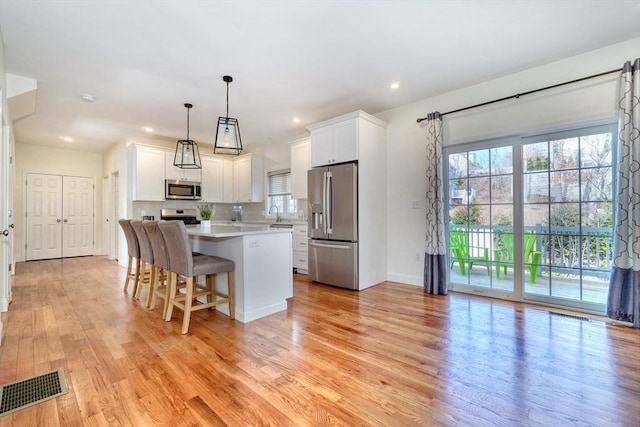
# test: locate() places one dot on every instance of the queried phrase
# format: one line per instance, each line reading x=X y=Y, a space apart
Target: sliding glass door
x=568 y=216
x=480 y=187
x=532 y=217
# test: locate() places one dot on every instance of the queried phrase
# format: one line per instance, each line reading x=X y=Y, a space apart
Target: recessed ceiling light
x=296 y=120
x=88 y=97
x=395 y=85
x=147 y=129
x=66 y=138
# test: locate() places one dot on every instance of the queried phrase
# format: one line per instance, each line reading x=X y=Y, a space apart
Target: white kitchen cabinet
x=334 y=142
x=366 y=134
x=147 y=173
x=300 y=164
x=217 y=179
x=212 y=179
x=300 y=248
x=176 y=173
x=227 y=181
x=249 y=170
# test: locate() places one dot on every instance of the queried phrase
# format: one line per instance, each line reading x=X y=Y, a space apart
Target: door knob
x=58 y=220
x=66 y=220
x=11 y=225
x=5 y=232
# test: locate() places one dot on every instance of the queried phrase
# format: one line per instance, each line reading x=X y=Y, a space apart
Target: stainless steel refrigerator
x=332 y=206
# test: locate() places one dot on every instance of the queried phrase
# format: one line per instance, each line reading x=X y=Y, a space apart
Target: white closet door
x=77 y=222
x=44 y=216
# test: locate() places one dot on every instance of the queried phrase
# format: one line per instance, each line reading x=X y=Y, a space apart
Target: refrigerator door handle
x=322 y=245
x=328 y=195
x=324 y=201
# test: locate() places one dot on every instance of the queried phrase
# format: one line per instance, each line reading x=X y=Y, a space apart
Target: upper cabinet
x=218 y=179
x=300 y=164
x=334 y=141
x=147 y=173
x=176 y=173
x=249 y=182
x=223 y=179
x=212 y=179
x=227 y=181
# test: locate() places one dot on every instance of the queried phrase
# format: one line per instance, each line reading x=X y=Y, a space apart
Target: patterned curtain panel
x=435 y=258
x=624 y=285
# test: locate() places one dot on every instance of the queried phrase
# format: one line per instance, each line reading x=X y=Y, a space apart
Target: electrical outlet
x=417 y=256
x=415 y=204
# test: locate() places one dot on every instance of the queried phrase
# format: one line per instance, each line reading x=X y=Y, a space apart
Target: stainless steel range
x=188 y=216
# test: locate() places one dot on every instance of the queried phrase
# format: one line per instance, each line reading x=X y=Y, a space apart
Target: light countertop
x=236 y=230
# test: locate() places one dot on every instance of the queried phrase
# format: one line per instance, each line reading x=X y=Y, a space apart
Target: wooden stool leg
x=231 y=293
x=210 y=287
x=171 y=294
x=152 y=284
x=168 y=291
x=129 y=274
x=155 y=284
x=136 y=280
x=187 y=305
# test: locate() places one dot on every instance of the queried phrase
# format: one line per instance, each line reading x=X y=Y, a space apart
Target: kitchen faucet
x=278 y=219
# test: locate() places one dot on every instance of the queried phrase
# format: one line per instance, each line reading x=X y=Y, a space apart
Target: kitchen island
x=264 y=268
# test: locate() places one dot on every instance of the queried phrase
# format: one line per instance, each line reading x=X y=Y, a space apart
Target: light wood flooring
x=387 y=356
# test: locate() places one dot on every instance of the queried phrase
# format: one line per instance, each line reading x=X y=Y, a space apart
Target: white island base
x=264 y=269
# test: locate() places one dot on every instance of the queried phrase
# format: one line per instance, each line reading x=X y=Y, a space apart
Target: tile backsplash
x=224 y=211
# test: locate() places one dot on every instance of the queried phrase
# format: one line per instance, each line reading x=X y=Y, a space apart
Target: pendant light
x=187 y=153
x=228 y=133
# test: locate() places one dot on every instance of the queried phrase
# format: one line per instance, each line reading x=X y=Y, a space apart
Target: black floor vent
x=24 y=393
x=585 y=319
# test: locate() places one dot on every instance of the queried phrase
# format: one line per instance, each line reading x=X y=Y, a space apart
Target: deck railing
x=568 y=250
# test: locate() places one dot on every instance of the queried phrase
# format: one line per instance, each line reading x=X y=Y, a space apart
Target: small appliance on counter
x=188 y=216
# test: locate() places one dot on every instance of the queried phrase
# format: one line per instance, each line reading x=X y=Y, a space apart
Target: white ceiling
x=142 y=60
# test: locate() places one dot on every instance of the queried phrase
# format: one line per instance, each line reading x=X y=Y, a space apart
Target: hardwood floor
x=386 y=356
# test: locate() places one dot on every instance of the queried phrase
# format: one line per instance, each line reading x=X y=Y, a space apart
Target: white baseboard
x=403 y=278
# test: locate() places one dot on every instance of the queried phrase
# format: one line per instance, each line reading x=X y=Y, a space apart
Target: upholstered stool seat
x=183 y=263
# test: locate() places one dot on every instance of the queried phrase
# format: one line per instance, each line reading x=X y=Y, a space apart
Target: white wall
x=58 y=161
x=578 y=103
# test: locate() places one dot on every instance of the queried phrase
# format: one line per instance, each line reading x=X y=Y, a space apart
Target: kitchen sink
x=280 y=225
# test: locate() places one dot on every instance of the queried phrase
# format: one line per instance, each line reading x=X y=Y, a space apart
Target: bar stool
x=182 y=262
x=133 y=250
x=160 y=264
x=147 y=273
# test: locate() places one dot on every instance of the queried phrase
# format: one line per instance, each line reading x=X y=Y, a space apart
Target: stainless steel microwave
x=182 y=190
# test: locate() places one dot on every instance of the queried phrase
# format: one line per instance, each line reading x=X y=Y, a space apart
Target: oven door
x=181 y=190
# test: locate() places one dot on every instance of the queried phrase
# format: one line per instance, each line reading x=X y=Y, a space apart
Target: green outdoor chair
x=503 y=258
x=464 y=254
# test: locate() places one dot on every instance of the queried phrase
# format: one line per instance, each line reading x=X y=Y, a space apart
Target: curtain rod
x=518 y=95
